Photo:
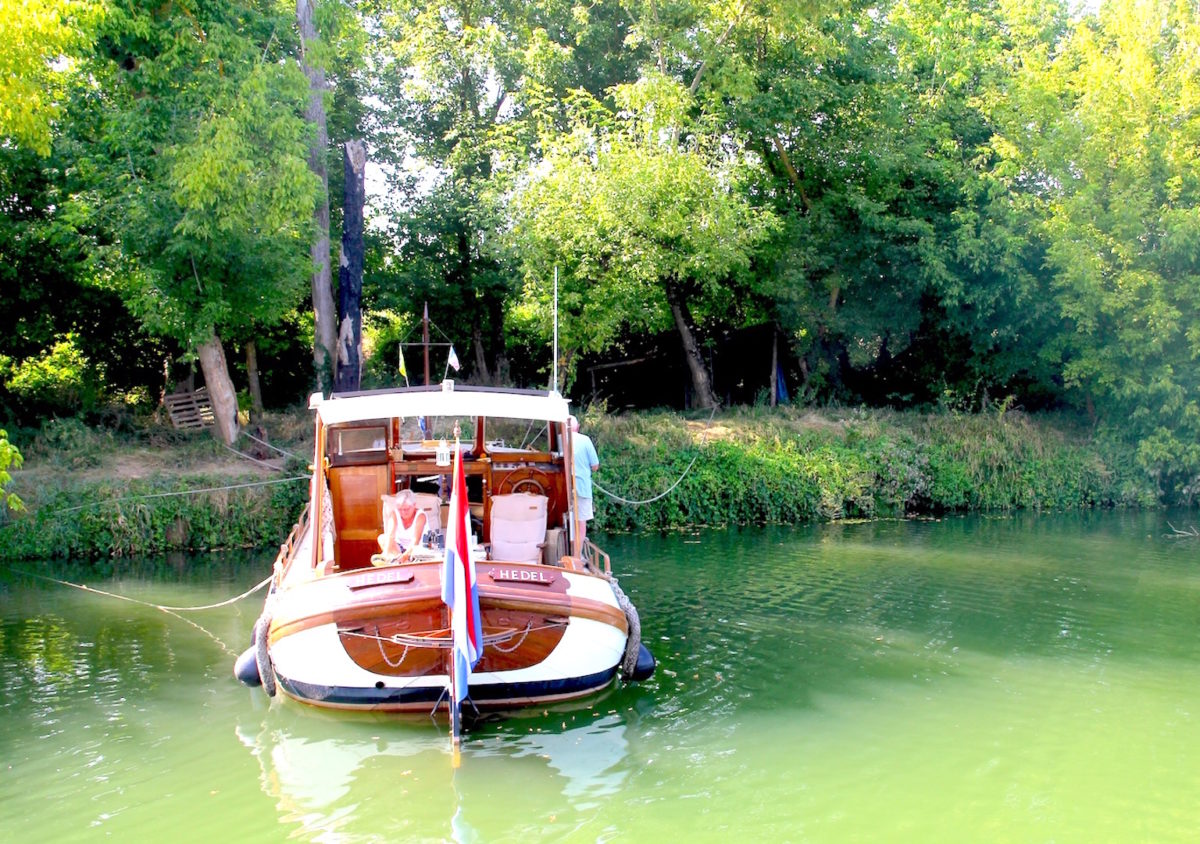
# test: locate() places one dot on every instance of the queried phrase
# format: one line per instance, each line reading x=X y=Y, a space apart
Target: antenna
x=554 y=368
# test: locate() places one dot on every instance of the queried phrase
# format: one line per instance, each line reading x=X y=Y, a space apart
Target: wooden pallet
x=190 y=410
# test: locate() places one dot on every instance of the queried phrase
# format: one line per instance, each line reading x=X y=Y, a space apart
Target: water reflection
x=1033 y=679
x=328 y=775
x=588 y=753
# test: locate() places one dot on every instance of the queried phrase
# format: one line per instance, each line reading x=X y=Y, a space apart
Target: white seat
x=518 y=527
x=431 y=506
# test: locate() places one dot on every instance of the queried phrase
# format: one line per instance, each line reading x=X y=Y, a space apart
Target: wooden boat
x=344 y=628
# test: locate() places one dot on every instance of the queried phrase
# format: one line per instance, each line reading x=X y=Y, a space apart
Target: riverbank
x=147 y=490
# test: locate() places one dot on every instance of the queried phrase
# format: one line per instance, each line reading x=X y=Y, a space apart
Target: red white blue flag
x=460 y=592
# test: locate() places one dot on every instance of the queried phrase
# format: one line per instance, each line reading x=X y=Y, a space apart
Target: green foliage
x=196 y=168
x=70 y=443
x=383 y=332
x=469 y=89
x=58 y=382
x=40 y=39
x=742 y=467
x=48 y=291
x=626 y=206
x=937 y=203
x=868 y=466
x=10 y=458
x=104 y=518
x=1116 y=184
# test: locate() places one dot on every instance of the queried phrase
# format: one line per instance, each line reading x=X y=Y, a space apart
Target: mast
x=554 y=351
x=425 y=341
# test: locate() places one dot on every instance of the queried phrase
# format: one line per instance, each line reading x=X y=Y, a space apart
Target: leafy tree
x=890 y=253
x=48 y=290
x=641 y=213
x=40 y=39
x=9 y=458
x=1116 y=175
x=469 y=85
x=190 y=124
x=62 y=380
x=987 y=317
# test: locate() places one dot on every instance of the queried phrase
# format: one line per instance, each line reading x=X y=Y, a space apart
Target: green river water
x=1018 y=679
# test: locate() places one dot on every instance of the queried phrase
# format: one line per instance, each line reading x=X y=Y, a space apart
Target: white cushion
x=431 y=506
x=518 y=527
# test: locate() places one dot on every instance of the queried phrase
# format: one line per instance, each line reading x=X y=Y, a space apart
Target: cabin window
x=359 y=440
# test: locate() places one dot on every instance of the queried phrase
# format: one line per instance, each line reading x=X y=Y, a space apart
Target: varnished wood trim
x=384 y=599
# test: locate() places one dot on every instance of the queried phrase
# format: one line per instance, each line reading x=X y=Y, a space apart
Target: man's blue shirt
x=585 y=459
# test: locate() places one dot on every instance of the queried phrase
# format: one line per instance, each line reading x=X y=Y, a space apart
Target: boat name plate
x=381 y=578
x=536 y=577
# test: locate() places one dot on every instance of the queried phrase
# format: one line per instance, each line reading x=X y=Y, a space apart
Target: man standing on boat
x=586 y=462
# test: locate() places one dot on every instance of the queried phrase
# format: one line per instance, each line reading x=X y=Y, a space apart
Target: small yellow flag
x=403 y=371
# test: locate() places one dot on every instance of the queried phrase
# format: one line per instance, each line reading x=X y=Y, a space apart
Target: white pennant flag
x=453 y=359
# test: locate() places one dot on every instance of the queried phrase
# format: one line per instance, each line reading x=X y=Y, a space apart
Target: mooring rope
x=671 y=488
x=163 y=607
x=253 y=460
x=148 y=496
x=169 y=610
x=282 y=451
x=663 y=494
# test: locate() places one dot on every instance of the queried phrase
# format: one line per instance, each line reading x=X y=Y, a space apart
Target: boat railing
x=596 y=558
x=288 y=549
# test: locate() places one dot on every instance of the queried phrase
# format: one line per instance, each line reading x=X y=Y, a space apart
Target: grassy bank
x=95 y=493
x=786 y=466
x=146 y=489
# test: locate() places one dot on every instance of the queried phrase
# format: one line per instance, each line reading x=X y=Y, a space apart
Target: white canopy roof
x=448 y=401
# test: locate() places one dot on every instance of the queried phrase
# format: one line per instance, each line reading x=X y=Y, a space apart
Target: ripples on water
x=1022 y=679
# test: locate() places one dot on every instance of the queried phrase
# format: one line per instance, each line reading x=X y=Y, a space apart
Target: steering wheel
x=529 y=485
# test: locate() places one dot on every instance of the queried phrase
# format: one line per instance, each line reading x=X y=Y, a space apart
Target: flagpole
x=455 y=719
x=460 y=594
x=455 y=703
x=554 y=368
x=425 y=341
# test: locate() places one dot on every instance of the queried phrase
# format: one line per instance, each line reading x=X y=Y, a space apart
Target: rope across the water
x=671 y=488
x=182 y=492
x=169 y=610
x=163 y=607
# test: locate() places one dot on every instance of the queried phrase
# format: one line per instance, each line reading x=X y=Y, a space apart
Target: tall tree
x=189 y=122
x=470 y=83
x=642 y=214
x=1113 y=168
x=312 y=58
x=892 y=252
x=350 y=269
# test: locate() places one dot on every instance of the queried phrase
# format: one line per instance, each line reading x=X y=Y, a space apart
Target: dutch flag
x=460 y=592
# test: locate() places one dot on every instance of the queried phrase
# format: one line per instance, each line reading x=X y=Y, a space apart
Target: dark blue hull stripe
x=481 y=695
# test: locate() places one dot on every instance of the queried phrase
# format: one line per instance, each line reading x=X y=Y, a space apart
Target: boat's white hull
x=348 y=626
x=321 y=658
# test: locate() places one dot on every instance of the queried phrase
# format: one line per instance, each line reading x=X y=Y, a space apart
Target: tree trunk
x=701 y=384
x=325 y=327
x=256 y=399
x=220 y=388
x=774 y=382
x=495 y=312
x=481 y=368
x=350 y=271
